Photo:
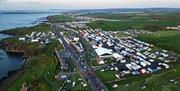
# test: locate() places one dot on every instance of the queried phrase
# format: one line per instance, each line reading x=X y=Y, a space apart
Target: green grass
x=156 y=82
x=37 y=76
x=94 y=63
x=27 y=47
x=137 y=16
x=42 y=65
x=106 y=76
x=60 y=18
x=135 y=24
x=32 y=49
x=121 y=34
x=28 y=30
x=147 y=21
x=108 y=60
x=169 y=40
x=78 y=85
x=41 y=70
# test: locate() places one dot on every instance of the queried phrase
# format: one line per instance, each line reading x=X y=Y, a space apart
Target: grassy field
x=42 y=66
x=37 y=76
x=27 y=47
x=28 y=30
x=135 y=24
x=145 y=21
x=60 y=18
x=136 y=16
x=78 y=86
x=169 y=40
x=153 y=82
x=106 y=76
x=40 y=72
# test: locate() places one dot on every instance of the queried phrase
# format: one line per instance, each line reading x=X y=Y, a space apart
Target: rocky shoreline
x=14 y=49
x=12 y=76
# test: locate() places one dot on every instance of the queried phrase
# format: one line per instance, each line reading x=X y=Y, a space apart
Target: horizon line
x=92 y=8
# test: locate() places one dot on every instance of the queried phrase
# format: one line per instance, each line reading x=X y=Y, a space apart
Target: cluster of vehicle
x=130 y=56
x=38 y=37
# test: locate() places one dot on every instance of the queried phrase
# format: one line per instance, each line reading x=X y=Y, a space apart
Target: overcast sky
x=84 y=4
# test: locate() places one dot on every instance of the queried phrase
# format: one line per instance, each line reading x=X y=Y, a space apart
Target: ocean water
x=9 y=62
x=9 y=21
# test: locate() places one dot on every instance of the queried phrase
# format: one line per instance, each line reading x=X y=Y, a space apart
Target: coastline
x=5 y=82
x=17 y=20
x=12 y=76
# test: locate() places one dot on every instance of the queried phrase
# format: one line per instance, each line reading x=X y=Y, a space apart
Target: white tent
x=101 y=51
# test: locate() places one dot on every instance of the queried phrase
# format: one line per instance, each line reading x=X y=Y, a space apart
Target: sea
x=10 y=21
x=9 y=62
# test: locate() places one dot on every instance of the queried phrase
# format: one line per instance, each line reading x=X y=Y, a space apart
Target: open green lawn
x=132 y=24
x=147 y=21
x=165 y=39
x=136 y=16
x=106 y=76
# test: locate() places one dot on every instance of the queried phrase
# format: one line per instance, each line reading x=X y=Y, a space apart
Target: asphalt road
x=87 y=72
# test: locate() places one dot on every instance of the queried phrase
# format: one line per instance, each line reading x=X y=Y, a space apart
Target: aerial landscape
x=98 y=45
